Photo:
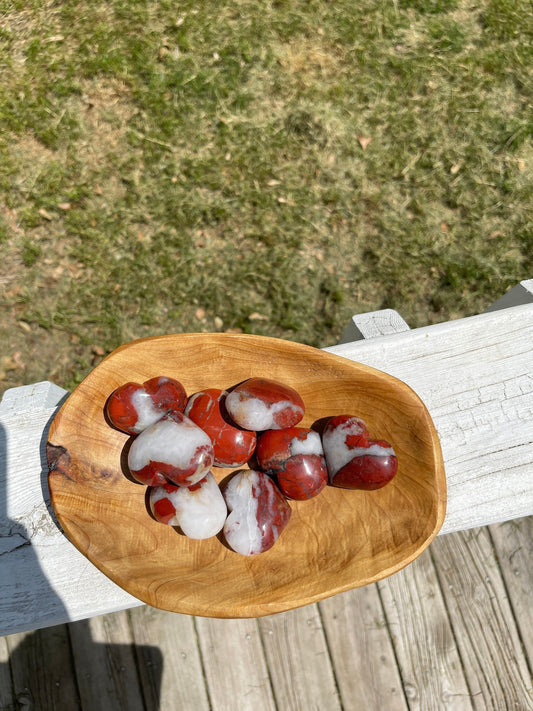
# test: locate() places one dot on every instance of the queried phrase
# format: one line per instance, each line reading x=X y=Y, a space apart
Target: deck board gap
x=510 y=598
x=478 y=633
x=479 y=655
x=135 y=652
x=269 y=672
x=202 y=663
x=330 y=657
x=74 y=666
x=391 y=640
x=450 y=622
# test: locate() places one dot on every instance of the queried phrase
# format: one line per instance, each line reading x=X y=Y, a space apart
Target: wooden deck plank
x=235 y=665
x=513 y=542
x=42 y=670
x=361 y=650
x=426 y=651
x=6 y=687
x=106 y=668
x=298 y=660
x=169 y=662
x=482 y=620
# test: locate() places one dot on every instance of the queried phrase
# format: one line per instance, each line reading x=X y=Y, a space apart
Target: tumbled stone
x=258 y=512
x=132 y=407
x=295 y=456
x=199 y=510
x=232 y=445
x=354 y=460
x=263 y=404
x=173 y=449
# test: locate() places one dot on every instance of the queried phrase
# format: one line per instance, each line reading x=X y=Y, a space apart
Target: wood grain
x=426 y=653
x=102 y=648
x=236 y=671
x=42 y=670
x=169 y=663
x=298 y=660
x=513 y=542
x=361 y=650
x=483 y=623
x=475 y=377
x=338 y=541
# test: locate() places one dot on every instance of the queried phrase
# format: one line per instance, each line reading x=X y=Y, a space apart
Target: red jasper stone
x=232 y=445
x=172 y=449
x=199 y=510
x=258 y=512
x=354 y=460
x=132 y=407
x=162 y=506
x=295 y=456
x=262 y=404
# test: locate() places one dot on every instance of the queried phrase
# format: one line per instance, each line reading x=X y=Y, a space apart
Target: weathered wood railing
x=473 y=374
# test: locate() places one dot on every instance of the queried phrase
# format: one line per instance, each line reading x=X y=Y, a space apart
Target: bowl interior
x=339 y=540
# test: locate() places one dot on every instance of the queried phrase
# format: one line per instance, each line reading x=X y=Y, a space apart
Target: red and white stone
x=132 y=407
x=232 y=445
x=295 y=456
x=258 y=512
x=354 y=460
x=261 y=404
x=199 y=510
x=173 y=449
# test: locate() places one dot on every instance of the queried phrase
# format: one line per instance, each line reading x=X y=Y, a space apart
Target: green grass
x=267 y=167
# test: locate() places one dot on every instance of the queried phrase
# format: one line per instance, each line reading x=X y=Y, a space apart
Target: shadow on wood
x=61 y=667
x=64 y=669
x=20 y=562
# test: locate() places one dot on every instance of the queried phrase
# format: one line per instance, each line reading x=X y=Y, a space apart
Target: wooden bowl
x=339 y=540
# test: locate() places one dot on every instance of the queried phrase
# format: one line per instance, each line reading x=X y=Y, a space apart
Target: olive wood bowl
x=339 y=540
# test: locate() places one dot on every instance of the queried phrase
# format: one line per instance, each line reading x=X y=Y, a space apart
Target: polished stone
x=232 y=445
x=262 y=404
x=295 y=456
x=354 y=460
x=133 y=407
x=173 y=449
x=258 y=512
x=199 y=510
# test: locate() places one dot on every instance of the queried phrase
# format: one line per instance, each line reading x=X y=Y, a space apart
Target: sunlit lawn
x=265 y=167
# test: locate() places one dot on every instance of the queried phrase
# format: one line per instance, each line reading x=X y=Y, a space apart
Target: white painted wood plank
x=169 y=660
x=513 y=542
x=484 y=627
x=475 y=376
x=361 y=650
x=426 y=652
x=298 y=661
x=44 y=579
x=235 y=665
x=29 y=398
x=373 y=324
